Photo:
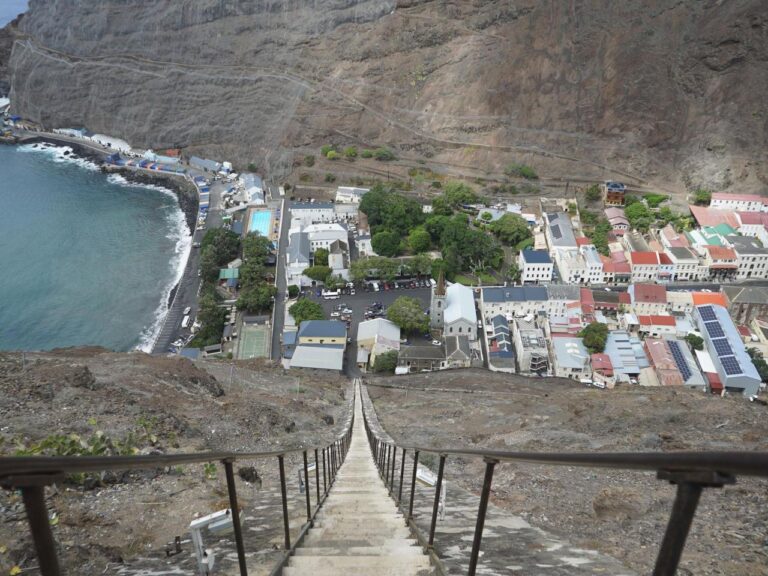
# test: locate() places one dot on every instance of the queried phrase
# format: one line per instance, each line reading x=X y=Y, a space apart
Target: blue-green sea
x=85 y=258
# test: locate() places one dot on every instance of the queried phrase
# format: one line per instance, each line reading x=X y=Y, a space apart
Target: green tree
x=384 y=154
x=386 y=362
x=252 y=273
x=293 y=291
x=511 y=229
x=595 y=336
x=224 y=243
x=441 y=206
x=317 y=273
x=350 y=152
x=257 y=299
x=655 y=200
x=514 y=273
x=321 y=257
x=407 y=313
x=639 y=216
x=760 y=364
x=256 y=247
x=305 y=309
x=695 y=342
x=629 y=200
x=334 y=281
x=386 y=243
x=419 y=240
x=486 y=216
x=435 y=225
x=593 y=193
x=327 y=148
x=458 y=193
x=209 y=267
x=391 y=211
x=212 y=318
x=421 y=265
x=702 y=197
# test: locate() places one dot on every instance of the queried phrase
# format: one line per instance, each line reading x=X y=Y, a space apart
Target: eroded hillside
x=665 y=90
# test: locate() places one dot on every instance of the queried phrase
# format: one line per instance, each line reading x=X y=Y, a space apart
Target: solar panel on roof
x=556 y=232
x=731 y=365
x=680 y=361
x=707 y=313
x=714 y=329
x=722 y=347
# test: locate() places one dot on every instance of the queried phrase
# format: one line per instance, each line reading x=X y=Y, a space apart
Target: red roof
x=656 y=320
x=583 y=241
x=602 y=362
x=651 y=293
x=750 y=217
x=624 y=298
x=618 y=268
x=714 y=382
x=644 y=258
x=740 y=197
x=701 y=298
x=664 y=258
x=721 y=253
x=673 y=238
x=712 y=216
x=586 y=296
x=744 y=331
x=618 y=256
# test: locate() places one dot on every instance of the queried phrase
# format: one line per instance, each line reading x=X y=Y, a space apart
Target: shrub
x=593 y=193
x=327 y=148
x=309 y=160
x=252 y=167
x=436 y=184
x=386 y=362
x=367 y=154
x=329 y=177
x=293 y=291
x=350 y=152
x=654 y=200
x=383 y=154
x=333 y=155
x=522 y=171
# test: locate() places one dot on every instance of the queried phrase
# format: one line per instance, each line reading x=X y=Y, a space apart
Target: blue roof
x=515 y=294
x=536 y=256
x=237 y=227
x=322 y=328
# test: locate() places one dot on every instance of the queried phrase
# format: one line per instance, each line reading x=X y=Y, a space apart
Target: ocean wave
x=60 y=154
x=123 y=181
x=180 y=233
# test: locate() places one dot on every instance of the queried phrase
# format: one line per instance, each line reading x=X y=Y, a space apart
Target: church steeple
x=437 y=303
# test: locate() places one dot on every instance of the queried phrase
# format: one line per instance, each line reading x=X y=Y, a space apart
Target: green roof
x=724 y=229
x=229 y=273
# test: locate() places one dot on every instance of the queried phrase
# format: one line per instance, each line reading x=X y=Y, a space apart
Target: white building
x=570 y=358
x=452 y=310
x=513 y=301
x=350 y=195
x=364 y=247
x=378 y=336
x=687 y=264
x=530 y=347
x=253 y=188
x=536 y=267
x=323 y=235
x=297 y=259
x=752 y=257
x=313 y=211
x=739 y=202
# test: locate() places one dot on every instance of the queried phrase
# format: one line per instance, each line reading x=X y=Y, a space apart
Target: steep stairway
x=359 y=531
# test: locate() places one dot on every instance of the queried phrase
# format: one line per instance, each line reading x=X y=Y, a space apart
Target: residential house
x=512 y=301
x=570 y=358
x=613 y=193
x=739 y=202
x=734 y=367
x=458 y=353
x=602 y=369
x=253 y=188
x=558 y=230
x=560 y=297
x=320 y=344
x=707 y=216
x=673 y=363
x=452 y=310
x=501 y=355
x=530 y=347
x=754 y=224
x=617 y=219
x=680 y=302
x=645 y=266
x=313 y=212
x=364 y=247
x=535 y=267
x=752 y=257
x=648 y=299
x=671 y=238
x=204 y=164
x=656 y=326
x=420 y=359
x=686 y=264
x=722 y=262
x=297 y=259
x=350 y=195
x=746 y=303
x=377 y=336
x=324 y=234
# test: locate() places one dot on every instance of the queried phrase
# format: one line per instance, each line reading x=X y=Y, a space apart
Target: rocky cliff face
x=667 y=90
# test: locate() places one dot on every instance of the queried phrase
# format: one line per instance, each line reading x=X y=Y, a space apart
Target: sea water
x=85 y=258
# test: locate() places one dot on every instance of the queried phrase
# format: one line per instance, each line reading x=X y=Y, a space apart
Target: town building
x=322 y=235
x=722 y=341
x=204 y=164
x=312 y=212
x=377 y=336
x=626 y=355
x=535 y=267
x=687 y=266
x=560 y=297
x=613 y=193
x=513 y=301
x=722 y=262
x=656 y=326
x=558 y=230
x=364 y=246
x=350 y=195
x=648 y=299
x=297 y=259
x=617 y=219
x=746 y=303
x=458 y=353
x=754 y=224
x=752 y=257
x=320 y=344
x=739 y=202
x=645 y=266
x=530 y=347
x=452 y=310
x=602 y=369
x=420 y=359
x=253 y=188
x=673 y=363
x=671 y=238
x=501 y=355
x=338 y=259
x=570 y=358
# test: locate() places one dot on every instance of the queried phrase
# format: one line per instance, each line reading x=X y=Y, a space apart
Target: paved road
x=358 y=303
x=282 y=289
x=189 y=285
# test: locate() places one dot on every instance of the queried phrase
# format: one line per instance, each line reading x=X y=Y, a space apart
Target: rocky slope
x=665 y=90
x=620 y=513
x=155 y=405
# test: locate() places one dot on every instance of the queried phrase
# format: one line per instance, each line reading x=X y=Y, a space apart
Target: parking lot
x=359 y=303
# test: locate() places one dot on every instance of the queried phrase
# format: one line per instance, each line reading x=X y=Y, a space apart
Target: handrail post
x=392 y=475
x=436 y=505
x=325 y=485
x=317 y=477
x=413 y=483
x=689 y=487
x=402 y=471
x=233 y=506
x=33 y=494
x=285 y=502
x=306 y=487
x=385 y=467
x=481 y=512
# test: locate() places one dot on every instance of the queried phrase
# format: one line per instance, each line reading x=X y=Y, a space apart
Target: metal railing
x=32 y=474
x=690 y=471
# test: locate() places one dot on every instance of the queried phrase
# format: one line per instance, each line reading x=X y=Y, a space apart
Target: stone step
x=398 y=564
x=370 y=533
x=396 y=548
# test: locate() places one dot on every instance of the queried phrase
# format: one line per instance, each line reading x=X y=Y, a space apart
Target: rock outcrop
x=671 y=91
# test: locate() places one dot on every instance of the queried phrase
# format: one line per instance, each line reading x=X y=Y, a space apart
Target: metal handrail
x=31 y=474
x=690 y=471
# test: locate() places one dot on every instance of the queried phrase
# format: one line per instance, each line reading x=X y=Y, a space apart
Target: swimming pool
x=261 y=221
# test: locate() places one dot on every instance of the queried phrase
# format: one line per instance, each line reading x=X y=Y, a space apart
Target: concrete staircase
x=359 y=531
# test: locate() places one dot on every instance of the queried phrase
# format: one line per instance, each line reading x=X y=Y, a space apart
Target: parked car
x=436 y=342
x=335 y=314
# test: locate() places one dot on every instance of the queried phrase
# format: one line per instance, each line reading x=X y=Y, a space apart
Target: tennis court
x=253 y=341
